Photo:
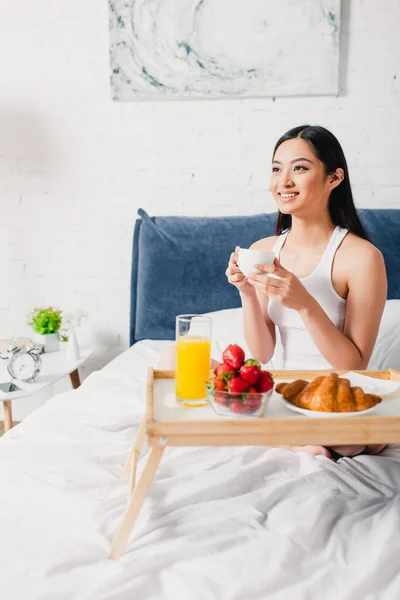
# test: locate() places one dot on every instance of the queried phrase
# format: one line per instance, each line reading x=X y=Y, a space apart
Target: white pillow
x=227 y=328
x=386 y=353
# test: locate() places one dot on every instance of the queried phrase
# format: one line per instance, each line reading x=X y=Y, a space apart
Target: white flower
x=72 y=319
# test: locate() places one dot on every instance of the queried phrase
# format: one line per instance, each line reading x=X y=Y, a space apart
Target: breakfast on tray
x=327 y=393
x=239 y=386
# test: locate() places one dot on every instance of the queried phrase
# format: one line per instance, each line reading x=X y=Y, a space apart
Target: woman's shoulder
x=353 y=242
x=356 y=251
x=265 y=243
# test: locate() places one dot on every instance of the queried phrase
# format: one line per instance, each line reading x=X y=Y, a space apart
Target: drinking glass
x=193 y=358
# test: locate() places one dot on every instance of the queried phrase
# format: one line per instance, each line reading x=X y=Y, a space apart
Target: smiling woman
x=326 y=310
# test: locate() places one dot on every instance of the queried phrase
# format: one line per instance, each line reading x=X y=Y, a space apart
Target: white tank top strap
x=336 y=239
x=279 y=243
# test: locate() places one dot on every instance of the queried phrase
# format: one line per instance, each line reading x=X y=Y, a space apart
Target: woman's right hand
x=236 y=277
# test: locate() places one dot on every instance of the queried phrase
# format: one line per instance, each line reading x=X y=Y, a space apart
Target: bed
x=218 y=523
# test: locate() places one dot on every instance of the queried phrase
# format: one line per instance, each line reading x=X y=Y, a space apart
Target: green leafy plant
x=45 y=320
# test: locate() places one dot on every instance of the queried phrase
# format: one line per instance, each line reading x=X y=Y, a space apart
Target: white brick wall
x=75 y=167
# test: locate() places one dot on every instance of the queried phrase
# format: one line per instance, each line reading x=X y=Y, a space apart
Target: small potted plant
x=46 y=323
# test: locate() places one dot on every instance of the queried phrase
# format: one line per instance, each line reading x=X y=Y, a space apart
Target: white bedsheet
x=218 y=523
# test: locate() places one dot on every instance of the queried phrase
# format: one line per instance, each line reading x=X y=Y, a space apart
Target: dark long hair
x=328 y=150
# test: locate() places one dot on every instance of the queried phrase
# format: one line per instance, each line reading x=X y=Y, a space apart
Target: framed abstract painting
x=182 y=49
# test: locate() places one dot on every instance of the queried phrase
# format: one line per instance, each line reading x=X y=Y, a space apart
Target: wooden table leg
x=135 y=502
x=75 y=380
x=133 y=458
x=8 y=423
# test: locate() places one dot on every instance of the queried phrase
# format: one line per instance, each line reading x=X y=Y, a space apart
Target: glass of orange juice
x=193 y=357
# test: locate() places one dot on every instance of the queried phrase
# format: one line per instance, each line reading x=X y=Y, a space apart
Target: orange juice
x=192 y=369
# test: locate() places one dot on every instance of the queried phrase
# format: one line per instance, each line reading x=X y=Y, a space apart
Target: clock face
x=24 y=366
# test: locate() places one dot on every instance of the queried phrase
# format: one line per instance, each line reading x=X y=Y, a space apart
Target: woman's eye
x=300 y=167
x=275 y=169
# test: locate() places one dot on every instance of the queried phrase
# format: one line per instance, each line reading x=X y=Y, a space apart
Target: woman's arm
x=352 y=349
x=259 y=331
x=367 y=284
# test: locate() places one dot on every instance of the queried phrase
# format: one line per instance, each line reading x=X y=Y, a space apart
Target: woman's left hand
x=288 y=290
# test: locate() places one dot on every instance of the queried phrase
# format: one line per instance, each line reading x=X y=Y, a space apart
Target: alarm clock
x=25 y=363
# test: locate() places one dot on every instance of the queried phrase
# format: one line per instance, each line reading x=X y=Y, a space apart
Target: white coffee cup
x=248 y=258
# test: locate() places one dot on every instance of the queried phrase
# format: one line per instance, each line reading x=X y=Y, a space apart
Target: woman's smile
x=288 y=196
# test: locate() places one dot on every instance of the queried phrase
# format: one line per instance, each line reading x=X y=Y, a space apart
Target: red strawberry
x=250 y=371
x=253 y=396
x=237 y=406
x=225 y=372
x=234 y=356
x=221 y=398
x=219 y=384
x=255 y=406
x=237 y=385
x=265 y=382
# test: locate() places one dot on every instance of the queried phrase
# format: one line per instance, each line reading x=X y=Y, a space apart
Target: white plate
x=371 y=385
x=328 y=415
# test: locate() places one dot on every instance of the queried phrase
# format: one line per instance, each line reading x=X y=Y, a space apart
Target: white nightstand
x=55 y=366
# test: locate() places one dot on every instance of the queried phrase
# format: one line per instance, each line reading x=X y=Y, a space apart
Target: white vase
x=72 y=347
x=50 y=341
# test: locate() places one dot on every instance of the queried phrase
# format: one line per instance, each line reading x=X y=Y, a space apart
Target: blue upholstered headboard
x=178 y=264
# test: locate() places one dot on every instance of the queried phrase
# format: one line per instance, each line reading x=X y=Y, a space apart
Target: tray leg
x=135 y=502
x=134 y=455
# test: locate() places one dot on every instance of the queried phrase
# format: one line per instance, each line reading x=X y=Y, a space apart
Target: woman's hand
x=236 y=277
x=285 y=288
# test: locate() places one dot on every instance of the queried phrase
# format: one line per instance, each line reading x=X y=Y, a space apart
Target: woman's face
x=298 y=181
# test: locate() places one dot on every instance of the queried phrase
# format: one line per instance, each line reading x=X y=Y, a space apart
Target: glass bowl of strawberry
x=239 y=388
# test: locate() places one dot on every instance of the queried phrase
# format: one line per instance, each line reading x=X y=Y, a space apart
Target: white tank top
x=298 y=348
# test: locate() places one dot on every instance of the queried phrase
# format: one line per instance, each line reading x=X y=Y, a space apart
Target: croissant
x=327 y=393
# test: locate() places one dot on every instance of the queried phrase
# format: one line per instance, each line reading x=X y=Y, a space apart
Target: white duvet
x=218 y=523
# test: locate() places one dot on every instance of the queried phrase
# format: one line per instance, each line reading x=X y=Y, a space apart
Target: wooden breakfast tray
x=269 y=431
x=193 y=430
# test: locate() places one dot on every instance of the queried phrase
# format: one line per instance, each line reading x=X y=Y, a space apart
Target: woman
x=330 y=287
